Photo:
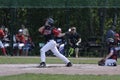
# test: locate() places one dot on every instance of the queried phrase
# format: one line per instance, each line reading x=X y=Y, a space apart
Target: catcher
x=111 y=58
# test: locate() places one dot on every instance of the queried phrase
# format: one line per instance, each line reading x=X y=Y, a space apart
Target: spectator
x=25 y=32
x=74 y=40
x=28 y=41
x=29 y=45
x=20 y=42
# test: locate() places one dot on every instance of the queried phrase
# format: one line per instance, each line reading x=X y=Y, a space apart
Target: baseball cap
x=20 y=30
x=59 y=29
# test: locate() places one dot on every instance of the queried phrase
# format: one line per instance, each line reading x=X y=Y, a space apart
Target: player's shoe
x=69 y=64
x=42 y=65
x=114 y=64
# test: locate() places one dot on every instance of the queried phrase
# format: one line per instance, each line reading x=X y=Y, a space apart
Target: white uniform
x=1 y=44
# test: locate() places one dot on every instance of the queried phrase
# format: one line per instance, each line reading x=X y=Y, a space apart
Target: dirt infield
x=80 y=69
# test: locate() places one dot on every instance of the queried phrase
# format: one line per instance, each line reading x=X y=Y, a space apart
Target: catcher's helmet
x=111 y=41
x=50 y=21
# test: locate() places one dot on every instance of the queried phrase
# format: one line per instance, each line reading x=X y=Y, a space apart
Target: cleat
x=114 y=64
x=69 y=64
x=42 y=65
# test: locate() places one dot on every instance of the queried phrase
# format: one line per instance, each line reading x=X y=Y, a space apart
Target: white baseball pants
x=19 y=45
x=1 y=44
x=51 y=45
x=110 y=62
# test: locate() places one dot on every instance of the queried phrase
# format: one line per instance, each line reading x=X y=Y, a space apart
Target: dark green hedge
x=58 y=3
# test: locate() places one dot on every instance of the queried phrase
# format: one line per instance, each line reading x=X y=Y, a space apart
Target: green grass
x=59 y=77
x=50 y=60
x=53 y=60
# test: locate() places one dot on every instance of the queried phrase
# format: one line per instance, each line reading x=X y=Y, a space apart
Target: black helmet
x=50 y=21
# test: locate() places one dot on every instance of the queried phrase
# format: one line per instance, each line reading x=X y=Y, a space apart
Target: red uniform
x=50 y=33
x=20 y=38
x=1 y=33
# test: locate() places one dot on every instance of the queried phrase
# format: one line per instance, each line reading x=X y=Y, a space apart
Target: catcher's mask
x=111 y=41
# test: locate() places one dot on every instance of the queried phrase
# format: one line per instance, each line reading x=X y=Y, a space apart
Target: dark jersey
x=50 y=32
x=74 y=38
x=117 y=42
x=6 y=38
x=60 y=40
x=114 y=51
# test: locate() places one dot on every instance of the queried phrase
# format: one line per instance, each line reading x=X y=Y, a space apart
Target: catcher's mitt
x=101 y=62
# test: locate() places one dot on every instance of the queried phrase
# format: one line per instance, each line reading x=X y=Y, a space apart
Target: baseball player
x=49 y=33
x=20 y=42
x=6 y=39
x=2 y=34
x=111 y=58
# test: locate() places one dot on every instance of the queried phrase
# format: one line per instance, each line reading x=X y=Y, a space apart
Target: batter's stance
x=49 y=32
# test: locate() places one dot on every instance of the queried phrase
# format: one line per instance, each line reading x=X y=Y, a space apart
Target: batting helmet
x=50 y=21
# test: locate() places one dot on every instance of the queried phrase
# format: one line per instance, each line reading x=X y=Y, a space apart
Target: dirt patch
x=80 y=69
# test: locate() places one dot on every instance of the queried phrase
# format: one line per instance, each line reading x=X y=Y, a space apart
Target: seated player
x=20 y=42
x=2 y=34
x=6 y=40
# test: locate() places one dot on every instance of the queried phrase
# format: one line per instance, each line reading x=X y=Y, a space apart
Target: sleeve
x=2 y=33
x=23 y=38
x=56 y=32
